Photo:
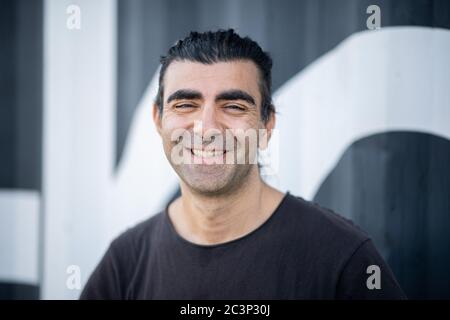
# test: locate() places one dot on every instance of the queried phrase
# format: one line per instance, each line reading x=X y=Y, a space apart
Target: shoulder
x=138 y=235
x=128 y=249
x=342 y=252
x=326 y=237
x=112 y=276
x=321 y=223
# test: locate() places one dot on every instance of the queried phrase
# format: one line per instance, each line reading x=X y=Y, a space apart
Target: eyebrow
x=233 y=94
x=185 y=94
x=236 y=94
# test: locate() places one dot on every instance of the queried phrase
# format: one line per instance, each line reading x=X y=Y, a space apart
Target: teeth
x=207 y=154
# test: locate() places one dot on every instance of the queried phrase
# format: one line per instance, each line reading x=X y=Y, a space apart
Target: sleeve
x=108 y=280
x=366 y=276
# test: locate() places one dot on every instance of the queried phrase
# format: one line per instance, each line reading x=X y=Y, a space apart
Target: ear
x=157 y=118
x=268 y=126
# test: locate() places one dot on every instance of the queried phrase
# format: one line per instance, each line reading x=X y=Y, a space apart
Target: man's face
x=211 y=105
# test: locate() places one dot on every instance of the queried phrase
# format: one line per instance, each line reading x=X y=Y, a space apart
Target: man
x=230 y=235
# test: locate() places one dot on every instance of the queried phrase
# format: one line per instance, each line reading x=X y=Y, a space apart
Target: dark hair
x=221 y=46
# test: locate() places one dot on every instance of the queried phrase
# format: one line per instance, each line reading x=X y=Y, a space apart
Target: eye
x=184 y=106
x=235 y=107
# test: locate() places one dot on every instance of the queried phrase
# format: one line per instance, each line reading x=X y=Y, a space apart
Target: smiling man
x=230 y=235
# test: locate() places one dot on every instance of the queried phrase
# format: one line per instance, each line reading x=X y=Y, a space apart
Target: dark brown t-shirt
x=303 y=251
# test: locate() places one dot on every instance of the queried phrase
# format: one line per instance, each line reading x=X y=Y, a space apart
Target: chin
x=213 y=179
x=208 y=187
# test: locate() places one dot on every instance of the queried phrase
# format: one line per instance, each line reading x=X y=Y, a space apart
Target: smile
x=207 y=153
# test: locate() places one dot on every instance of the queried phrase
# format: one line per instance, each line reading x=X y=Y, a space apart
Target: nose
x=209 y=117
x=210 y=124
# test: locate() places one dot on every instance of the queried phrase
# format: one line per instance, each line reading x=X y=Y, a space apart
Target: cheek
x=242 y=123
x=241 y=126
x=170 y=123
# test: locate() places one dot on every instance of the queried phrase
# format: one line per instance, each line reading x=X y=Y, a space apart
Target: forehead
x=210 y=79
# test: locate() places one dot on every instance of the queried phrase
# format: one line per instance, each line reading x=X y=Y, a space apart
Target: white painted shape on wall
x=375 y=81
x=19 y=236
x=78 y=139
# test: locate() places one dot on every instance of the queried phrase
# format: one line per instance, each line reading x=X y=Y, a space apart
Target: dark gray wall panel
x=7 y=94
x=17 y=291
x=20 y=94
x=396 y=186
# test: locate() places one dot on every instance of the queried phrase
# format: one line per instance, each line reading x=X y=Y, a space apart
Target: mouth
x=207 y=153
x=200 y=156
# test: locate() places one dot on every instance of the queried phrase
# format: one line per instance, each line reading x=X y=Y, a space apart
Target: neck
x=208 y=220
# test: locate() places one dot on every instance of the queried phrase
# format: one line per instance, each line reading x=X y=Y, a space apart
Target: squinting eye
x=184 y=106
x=235 y=107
